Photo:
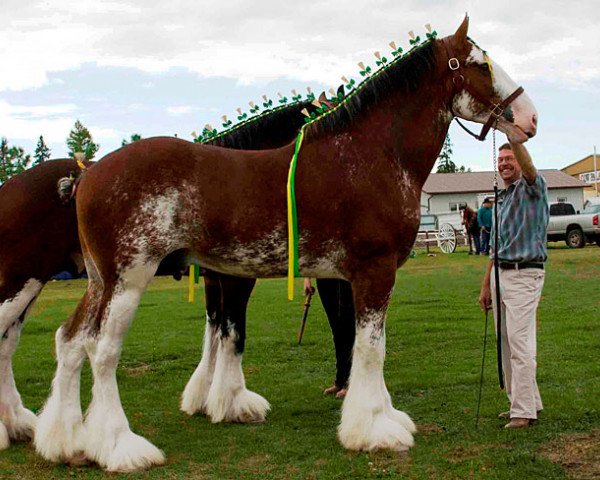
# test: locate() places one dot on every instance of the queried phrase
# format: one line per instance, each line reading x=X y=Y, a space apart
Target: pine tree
x=18 y=159
x=13 y=160
x=80 y=140
x=4 y=163
x=446 y=165
x=134 y=138
x=42 y=152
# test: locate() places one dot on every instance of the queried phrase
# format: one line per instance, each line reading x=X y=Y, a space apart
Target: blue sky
x=125 y=67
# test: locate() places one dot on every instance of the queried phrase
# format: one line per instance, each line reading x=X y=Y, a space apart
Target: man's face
x=508 y=167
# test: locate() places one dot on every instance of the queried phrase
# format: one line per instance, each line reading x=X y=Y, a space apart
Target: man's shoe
x=504 y=415
x=518 y=423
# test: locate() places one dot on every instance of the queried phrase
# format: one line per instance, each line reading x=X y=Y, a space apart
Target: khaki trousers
x=520 y=292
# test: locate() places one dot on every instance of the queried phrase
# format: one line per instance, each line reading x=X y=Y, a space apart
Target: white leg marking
x=228 y=399
x=16 y=421
x=4 y=440
x=196 y=391
x=60 y=434
x=369 y=422
x=110 y=441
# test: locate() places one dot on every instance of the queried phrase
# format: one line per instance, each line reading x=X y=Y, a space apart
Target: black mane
x=405 y=73
x=271 y=130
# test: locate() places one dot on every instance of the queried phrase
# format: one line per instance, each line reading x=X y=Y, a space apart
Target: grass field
x=434 y=347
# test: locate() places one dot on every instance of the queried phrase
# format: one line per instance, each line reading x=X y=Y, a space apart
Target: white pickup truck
x=573 y=227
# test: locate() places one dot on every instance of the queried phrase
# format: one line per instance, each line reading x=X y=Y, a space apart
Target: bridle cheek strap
x=460 y=83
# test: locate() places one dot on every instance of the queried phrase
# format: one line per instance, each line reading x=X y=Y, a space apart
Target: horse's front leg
x=369 y=422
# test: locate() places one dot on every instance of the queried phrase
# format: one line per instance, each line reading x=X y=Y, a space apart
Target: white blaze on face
x=523 y=112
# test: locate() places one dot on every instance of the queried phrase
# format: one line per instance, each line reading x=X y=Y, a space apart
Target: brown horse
x=358 y=184
x=38 y=238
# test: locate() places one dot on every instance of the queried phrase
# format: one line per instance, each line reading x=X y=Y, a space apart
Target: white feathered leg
x=193 y=399
x=228 y=399
x=60 y=434
x=369 y=422
x=16 y=421
x=110 y=441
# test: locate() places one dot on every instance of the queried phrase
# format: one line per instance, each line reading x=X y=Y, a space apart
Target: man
x=523 y=218
x=484 y=219
x=336 y=297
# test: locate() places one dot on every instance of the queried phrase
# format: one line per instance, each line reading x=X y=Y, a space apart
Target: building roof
x=484 y=182
x=578 y=162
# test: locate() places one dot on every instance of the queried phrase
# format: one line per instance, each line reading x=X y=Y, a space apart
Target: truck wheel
x=575 y=238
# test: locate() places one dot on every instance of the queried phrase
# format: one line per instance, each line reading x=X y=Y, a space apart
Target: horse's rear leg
x=228 y=399
x=369 y=421
x=16 y=422
x=110 y=442
x=193 y=399
x=60 y=434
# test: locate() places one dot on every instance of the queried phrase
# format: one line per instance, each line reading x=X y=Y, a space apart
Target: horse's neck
x=409 y=128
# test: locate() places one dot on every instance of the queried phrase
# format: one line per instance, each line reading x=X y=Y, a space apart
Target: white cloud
x=309 y=41
x=53 y=121
x=179 y=110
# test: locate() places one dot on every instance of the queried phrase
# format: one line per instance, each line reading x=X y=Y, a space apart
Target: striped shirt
x=523 y=218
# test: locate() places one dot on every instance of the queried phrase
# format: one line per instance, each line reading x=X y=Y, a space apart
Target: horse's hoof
x=380 y=432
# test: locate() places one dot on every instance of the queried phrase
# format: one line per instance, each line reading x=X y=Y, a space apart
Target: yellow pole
x=191 y=285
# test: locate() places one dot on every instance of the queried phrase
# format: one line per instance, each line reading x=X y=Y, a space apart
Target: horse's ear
x=461 y=34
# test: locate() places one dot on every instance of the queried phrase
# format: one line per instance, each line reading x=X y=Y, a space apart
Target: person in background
x=336 y=297
x=484 y=219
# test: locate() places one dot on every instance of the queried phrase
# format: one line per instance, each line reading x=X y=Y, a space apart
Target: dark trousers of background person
x=336 y=297
x=485 y=242
x=476 y=243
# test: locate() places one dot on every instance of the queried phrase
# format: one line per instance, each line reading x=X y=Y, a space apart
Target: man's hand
x=485 y=298
x=524 y=160
x=308 y=288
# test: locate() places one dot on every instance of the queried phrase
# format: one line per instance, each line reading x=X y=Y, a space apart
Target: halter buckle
x=497 y=110
x=454 y=64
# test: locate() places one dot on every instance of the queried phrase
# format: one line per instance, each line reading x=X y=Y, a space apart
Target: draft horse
x=38 y=239
x=358 y=184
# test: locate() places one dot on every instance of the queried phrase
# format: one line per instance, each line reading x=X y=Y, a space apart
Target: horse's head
x=484 y=93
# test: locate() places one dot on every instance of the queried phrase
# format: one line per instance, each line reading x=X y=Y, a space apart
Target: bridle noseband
x=459 y=82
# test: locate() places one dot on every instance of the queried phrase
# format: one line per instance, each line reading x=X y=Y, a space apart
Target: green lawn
x=434 y=347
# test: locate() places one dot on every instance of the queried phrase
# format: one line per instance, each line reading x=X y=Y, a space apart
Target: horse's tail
x=67 y=186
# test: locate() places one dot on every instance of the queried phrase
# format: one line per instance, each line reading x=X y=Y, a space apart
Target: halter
x=459 y=82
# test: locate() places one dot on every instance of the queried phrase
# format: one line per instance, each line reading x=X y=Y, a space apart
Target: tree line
x=14 y=160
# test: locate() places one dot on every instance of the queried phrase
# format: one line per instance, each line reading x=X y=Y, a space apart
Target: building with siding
x=444 y=193
x=586 y=170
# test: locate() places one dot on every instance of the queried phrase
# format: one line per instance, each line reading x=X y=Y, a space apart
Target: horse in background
x=38 y=239
x=469 y=222
x=358 y=183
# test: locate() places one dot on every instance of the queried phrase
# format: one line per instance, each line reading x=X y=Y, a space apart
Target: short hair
x=505 y=146
x=487 y=200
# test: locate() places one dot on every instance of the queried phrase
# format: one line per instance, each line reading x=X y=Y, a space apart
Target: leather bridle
x=460 y=83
